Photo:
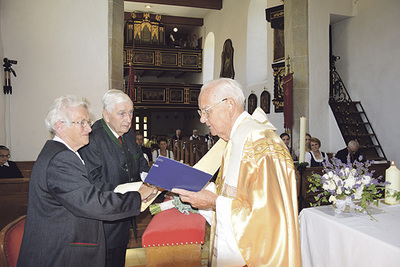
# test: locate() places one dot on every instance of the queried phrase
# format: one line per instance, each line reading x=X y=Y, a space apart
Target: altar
x=329 y=239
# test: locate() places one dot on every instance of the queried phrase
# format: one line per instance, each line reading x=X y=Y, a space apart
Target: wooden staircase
x=352 y=119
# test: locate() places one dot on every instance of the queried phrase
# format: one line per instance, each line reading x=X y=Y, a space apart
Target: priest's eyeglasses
x=82 y=123
x=206 y=112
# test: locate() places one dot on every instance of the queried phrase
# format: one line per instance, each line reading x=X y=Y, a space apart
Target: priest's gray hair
x=114 y=97
x=60 y=109
x=227 y=87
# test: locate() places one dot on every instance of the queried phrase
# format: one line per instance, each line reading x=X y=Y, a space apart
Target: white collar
x=58 y=139
x=114 y=133
x=6 y=164
x=238 y=121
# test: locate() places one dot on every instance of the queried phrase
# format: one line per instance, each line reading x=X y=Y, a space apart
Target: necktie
x=120 y=139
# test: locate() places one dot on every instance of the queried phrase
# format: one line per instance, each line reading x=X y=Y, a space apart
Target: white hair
x=59 y=110
x=114 y=97
x=353 y=144
x=227 y=87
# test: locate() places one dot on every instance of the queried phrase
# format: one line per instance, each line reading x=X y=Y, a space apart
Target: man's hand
x=203 y=199
x=147 y=192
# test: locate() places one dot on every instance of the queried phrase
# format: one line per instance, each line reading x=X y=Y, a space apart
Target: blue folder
x=168 y=173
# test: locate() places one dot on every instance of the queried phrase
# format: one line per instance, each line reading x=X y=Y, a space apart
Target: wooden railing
x=188 y=152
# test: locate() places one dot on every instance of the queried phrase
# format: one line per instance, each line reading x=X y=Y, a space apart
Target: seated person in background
x=194 y=136
x=315 y=157
x=178 y=135
x=308 y=145
x=349 y=153
x=146 y=150
x=8 y=168
x=163 y=151
x=286 y=139
x=209 y=140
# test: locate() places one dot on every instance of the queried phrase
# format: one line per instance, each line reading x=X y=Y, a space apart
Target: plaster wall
x=61 y=48
x=321 y=121
x=369 y=66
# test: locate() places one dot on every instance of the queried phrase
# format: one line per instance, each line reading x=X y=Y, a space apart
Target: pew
x=308 y=197
x=13 y=199
x=14 y=194
x=25 y=167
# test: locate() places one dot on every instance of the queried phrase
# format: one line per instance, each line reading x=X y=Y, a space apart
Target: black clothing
x=344 y=153
x=147 y=151
x=10 y=171
x=315 y=163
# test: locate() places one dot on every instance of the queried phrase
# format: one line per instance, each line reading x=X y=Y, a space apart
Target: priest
x=253 y=204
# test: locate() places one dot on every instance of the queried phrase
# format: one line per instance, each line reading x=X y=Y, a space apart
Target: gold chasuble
x=259 y=176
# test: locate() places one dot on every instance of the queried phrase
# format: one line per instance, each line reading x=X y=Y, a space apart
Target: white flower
x=336 y=178
x=346 y=171
x=329 y=185
x=332 y=199
x=339 y=190
x=349 y=182
x=366 y=179
x=358 y=193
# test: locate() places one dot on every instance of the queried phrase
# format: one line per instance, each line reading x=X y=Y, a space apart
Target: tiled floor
x=137 y=257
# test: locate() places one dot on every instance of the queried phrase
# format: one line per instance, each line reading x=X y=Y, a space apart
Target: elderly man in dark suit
x=350 y=153
x=65 y=210
x=112 y=158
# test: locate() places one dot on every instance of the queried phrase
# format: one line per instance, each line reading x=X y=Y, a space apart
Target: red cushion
x=13 y=241
x=170 y=227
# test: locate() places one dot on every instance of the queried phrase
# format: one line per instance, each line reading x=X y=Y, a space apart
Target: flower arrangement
x=343 y=184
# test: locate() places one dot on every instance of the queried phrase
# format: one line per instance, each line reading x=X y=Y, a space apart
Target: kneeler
x=174 y=239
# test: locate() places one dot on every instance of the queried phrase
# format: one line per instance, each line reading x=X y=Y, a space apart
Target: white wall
x=244 y=22
x=368 y=45
x=321 y=121
x=230 y=23
x=61 y=48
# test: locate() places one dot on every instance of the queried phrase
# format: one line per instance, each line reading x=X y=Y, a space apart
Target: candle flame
x=393 y=163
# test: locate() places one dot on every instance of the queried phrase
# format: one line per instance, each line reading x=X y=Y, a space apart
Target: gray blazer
x=65 y=212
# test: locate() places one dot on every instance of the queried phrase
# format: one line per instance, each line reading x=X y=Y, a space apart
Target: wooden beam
x=161 y=74
x=180 y=75
x=208 y=4
x=169 y=19
x=143 y=73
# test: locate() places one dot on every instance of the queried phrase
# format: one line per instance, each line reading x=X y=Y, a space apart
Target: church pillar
x=115 y=44
x=296 y=47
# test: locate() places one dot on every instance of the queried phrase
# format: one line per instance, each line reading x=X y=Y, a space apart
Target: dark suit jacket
x=105 y=161
x=343 y=153
x=147 y=151
x=65 y=212
x=10 y=171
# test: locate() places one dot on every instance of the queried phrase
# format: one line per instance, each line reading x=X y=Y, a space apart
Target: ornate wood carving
x=166 y=95
x=279 y=73
x=162 y=58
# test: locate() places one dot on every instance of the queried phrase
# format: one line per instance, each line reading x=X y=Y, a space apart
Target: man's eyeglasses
x=83 y=123
x=5 y=156
x=206 y=111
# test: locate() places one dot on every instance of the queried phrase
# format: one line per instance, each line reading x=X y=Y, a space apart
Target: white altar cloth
x=329 y=239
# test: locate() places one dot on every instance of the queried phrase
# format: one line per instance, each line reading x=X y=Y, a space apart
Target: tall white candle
x=393 y=176
x=302 y=139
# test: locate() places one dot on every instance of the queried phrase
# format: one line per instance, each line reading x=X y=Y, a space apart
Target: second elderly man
x=112 y=158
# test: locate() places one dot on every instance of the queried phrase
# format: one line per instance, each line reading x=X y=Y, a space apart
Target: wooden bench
x=13 y=199
x=25 y=167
